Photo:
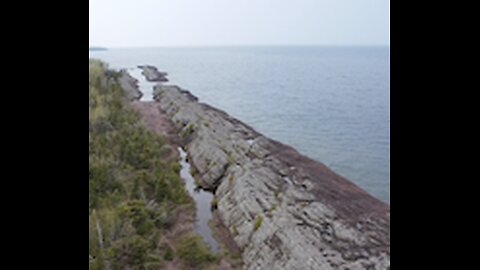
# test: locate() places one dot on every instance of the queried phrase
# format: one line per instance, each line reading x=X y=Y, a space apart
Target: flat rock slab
x=152 y=74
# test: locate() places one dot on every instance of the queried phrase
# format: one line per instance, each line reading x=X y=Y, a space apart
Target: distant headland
x=97 y=49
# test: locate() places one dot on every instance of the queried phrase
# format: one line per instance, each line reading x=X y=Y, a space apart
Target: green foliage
x=177 y=168
x=194 y=252
x=188 y=131
x=193 y=171
x=113 y=74
x=168 y=256
x=258 y=223
x=135 y=190
x=130 y=251
x=139 y=216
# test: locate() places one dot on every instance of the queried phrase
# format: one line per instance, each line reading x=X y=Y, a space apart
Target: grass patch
x=188 y=131
x=258 y=223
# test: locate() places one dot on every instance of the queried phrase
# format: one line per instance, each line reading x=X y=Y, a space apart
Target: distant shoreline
x=97 y=49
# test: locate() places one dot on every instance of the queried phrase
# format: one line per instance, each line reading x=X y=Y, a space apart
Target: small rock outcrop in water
x=284 y=210
x=152 y=74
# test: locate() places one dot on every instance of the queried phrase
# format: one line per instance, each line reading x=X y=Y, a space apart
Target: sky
x=149 y=23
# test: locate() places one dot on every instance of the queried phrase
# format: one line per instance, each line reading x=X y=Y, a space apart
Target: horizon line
x=240 y=45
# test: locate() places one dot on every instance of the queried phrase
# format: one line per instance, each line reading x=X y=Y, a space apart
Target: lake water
x=330 y=103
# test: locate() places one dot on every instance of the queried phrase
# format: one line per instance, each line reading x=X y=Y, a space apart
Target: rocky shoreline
x=283 y=210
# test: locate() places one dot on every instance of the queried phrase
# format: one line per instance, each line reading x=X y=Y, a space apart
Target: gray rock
x=130 y=85
x=285 y=211
x=152 y=74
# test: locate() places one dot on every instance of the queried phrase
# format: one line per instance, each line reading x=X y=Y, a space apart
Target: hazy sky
x=122 y=23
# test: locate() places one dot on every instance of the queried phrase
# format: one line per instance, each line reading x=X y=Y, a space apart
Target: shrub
x=177 y=168
x=193 y=251
x=168 y=254
x=193 y=170
x=130 y=251
x=258 y=223
x=188 y=131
